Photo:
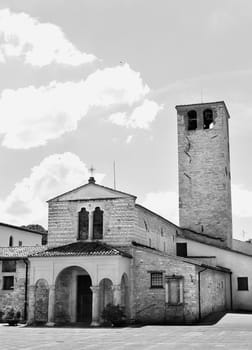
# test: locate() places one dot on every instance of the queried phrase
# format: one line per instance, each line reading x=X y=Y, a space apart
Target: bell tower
x=204 y=170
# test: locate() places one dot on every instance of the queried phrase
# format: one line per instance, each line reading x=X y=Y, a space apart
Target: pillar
x=51 y=303
x=95 y=306
x=117 y=294
x=90 y=225
x=31 y=304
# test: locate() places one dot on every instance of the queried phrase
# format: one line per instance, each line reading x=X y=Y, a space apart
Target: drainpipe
x=199 y=290
x=231 y=292
x=26 y=290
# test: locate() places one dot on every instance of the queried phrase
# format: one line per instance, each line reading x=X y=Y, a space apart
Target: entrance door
x=84 y=299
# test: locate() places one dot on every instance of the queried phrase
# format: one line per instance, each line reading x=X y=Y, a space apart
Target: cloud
x=129 y=139
x=35 y=115
x=164 y=204
x=241 y=201
x=55 y=174
x=40 y=44
x=141 y=117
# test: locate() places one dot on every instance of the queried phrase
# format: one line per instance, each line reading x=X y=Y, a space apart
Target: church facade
x=104 y=248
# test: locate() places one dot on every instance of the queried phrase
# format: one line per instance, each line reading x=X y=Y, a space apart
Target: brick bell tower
x=204 y=170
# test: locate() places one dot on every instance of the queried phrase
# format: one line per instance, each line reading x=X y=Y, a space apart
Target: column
x=117 y=294
x=31 y=304
x=90 y=225
x=95 y=306
x=51 y=302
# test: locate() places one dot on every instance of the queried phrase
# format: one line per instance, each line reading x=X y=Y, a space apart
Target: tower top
x=181 y=108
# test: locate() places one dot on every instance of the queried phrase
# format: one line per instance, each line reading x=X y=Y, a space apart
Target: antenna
x=114 y=171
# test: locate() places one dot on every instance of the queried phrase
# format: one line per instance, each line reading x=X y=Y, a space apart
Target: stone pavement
x=233 y=331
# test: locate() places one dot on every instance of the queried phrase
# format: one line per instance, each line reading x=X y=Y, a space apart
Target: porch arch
x=73 y=295
x=105 y=293
x=125 y=294
x=41 y=301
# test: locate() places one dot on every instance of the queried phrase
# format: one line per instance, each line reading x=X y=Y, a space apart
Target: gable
x=91 y=191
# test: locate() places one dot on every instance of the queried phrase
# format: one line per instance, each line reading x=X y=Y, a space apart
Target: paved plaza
x=233 y=331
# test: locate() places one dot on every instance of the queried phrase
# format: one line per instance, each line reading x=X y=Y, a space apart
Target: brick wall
x=204 y=173
x=13 y=298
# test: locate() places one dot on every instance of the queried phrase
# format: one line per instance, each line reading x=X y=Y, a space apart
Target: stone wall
x=212 y=291
x=118 y=220
x=13 y=298
x=204 y=173
x=153 y=230
x=148 y=305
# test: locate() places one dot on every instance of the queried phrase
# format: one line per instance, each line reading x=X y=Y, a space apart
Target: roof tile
x=81 y=249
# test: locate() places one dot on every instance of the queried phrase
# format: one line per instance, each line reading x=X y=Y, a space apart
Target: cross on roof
x=91 y=170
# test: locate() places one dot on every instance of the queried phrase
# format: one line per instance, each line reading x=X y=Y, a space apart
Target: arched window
x=207 y=119
x=98 y=224
x=83 y=224
x=11 y=241
x=192 y=120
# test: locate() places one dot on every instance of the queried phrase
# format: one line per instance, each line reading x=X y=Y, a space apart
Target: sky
x=92 y=82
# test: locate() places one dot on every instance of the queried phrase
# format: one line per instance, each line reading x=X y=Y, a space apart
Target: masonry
x=204 y=171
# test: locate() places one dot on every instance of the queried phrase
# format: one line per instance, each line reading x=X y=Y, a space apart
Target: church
x=103 y=247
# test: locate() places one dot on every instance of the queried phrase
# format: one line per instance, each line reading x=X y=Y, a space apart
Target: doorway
x=84 y=299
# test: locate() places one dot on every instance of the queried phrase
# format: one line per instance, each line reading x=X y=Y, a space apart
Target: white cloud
x=35 y=115
x=40 y=44
x=141 y=117
x=241 y=201
x=129 y=139
x=55 y=174
x=164 y=204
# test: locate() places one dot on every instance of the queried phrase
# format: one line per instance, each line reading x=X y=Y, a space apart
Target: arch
x=208 y=119
x=106 y=293
x=73 y=296
x=125 y=294
x=83 y=224
x=192 y=120
x=11 y=241
x=41 y=301
x=98 y=223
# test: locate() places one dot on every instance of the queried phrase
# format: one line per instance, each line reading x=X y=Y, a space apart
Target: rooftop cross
x=91 y=170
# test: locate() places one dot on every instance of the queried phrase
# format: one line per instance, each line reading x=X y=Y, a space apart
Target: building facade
x=105 y=248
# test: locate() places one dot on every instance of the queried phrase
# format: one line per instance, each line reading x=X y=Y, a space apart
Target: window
x=162 y=232
x=207 y=119
x=149 y=242
x=8 y=282
x=20 y=243
x=146 y=226
x=83 y=224
x=98 y=224
x=156 y=280
x=181 y=249
x=11 y=241
x=174 y=290
x=9 y=266
x=192 y=120
x=242 y=283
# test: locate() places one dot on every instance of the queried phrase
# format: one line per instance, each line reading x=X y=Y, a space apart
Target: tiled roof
x=82 y=249
x=20 y=252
